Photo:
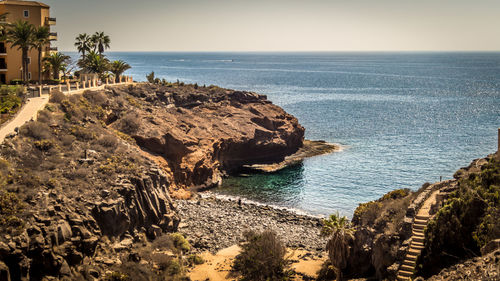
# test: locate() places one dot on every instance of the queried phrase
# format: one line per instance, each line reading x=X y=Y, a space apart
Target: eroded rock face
x=206 y=133
x=64 y=234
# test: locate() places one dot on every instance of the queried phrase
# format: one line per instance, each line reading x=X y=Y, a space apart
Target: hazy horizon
x=282 y=26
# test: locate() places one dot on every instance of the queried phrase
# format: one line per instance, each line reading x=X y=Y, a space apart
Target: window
x=26 y=13
x=29 y=75
x=29 y=60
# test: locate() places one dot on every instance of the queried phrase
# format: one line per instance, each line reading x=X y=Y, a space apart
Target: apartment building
x=35 y=13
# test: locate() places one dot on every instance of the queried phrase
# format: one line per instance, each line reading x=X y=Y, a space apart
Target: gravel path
x=213 y=224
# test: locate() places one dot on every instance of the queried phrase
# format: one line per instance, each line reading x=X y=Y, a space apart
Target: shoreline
x=212 y=224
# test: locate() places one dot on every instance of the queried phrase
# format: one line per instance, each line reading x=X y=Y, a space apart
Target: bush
x=262 y=257
x=44 y=145
x=36 y=130
x=130 y=123
x=108 y=141
x=97 y=98
x=151 y=77
x=10 y=209
x=395 y=194
x=180 y=242
x=57 y=97
x=16 y=82
x=9 y=100
x=195 y=260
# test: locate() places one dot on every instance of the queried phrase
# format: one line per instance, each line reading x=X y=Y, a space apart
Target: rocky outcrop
x=205 y=133
x=58 y=240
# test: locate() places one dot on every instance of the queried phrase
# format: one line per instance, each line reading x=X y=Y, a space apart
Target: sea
x=401 y=118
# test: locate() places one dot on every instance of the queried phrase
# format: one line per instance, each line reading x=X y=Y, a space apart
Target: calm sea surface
x=403 y=118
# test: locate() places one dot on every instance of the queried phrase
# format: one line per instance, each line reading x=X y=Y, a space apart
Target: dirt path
x=26 y=113
x=218 y=267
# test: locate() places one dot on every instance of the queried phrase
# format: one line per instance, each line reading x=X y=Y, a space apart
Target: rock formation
x=204 y=133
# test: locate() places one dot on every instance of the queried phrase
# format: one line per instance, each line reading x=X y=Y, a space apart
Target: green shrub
x=10 y=210
x=262 y=257
x=395 y=194
x=180 y=242
x=151 y=77
x=10 y=102
x=44 y=145
x=16 y=82
x=195 y=260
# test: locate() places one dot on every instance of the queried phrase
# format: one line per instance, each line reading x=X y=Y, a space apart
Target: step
x=407 y=268
x=405 y=273
x=410 y=262
x=417 y=221
x=418 y=238
x=416 y=247
x=411 y=257
x=422 y=217
x=415 y=243
x=419 y=226
x=402 y=278
x=418 y=230
x=414 y=251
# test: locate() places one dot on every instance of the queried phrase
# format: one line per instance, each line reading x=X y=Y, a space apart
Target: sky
x=282 y=25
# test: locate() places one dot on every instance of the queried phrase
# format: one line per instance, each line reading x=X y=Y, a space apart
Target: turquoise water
x=403 y=118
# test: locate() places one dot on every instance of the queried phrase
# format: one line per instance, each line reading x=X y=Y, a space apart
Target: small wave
x=208 y=194
x=217 y=60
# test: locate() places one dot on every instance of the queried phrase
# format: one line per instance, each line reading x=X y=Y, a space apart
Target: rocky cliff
x=91 y=179
x=204 y=133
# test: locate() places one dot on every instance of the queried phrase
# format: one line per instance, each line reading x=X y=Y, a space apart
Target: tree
x=21 y=34
x=95 y=63
x=41 y=39
x=57 y=62
x=117 y=68
x=84 y=44
x=340 y=232
x=3 y=25
x=151 y=77
x=100 y=41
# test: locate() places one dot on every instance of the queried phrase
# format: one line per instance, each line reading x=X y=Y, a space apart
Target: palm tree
x=340 y=232
x=101 y=42
x=95 y=63
x=57 y=62
x=117 y=68
x=84 y=43
x=21 y=34
x=41 y=40
x=3 y=25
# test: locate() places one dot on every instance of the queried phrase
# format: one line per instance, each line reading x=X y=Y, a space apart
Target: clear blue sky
x=282 y=25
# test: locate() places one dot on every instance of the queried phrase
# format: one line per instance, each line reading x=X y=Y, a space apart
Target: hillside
x=86 y=188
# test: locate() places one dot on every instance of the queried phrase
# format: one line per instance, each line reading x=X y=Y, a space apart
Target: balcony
x=53 y=36
x=50 y=21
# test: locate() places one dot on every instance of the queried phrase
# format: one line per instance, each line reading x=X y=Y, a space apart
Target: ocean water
x=403 y=118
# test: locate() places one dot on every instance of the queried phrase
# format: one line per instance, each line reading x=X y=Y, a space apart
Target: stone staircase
x=407 y=268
